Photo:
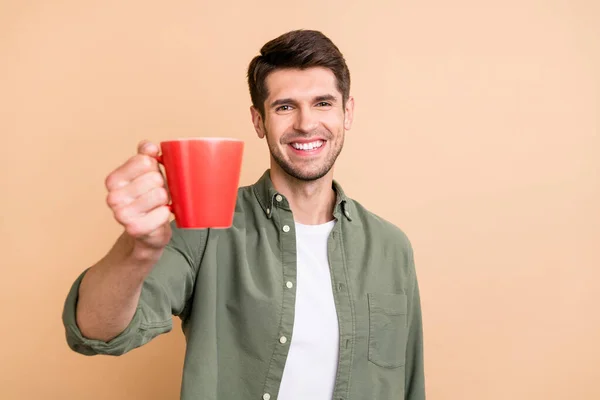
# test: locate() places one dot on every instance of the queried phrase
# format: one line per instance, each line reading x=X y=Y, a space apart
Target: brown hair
x=299 y=49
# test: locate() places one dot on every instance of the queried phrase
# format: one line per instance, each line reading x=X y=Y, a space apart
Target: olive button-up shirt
x=235 y=291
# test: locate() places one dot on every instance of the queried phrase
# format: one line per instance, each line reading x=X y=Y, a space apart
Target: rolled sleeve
x=127 y=340
x=165 y=293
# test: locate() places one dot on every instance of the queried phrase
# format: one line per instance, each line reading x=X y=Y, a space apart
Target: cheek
x=334 y=123
x=277 y=127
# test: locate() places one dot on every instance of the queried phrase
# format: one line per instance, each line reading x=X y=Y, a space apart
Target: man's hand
x=138 y=197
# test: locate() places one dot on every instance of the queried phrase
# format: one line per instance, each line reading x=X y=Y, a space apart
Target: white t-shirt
x=311 y=366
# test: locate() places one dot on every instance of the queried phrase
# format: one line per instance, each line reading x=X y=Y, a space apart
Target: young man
x=307 y=296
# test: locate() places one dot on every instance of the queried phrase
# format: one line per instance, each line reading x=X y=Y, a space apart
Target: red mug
x=203 y=177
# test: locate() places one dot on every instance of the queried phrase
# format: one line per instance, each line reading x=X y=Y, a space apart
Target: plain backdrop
x=476 y=132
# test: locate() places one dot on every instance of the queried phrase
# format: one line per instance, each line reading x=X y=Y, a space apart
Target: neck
x=312 y=202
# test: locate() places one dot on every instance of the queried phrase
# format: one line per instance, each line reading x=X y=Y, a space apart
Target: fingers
x=141 y=206
x=126 y=195
x=141 y=163
x=137 y=193
x=133 y=168
x=149 y=223
x=148 y=148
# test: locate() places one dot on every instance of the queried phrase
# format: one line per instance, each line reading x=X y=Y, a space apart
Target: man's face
x=304 y=121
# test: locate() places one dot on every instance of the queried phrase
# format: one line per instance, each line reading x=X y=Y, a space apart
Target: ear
x=257 y=121
x=349 y=113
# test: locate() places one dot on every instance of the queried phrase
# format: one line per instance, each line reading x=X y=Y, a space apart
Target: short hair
x=298 y=49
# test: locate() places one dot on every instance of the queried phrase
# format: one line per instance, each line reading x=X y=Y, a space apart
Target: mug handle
x=159 y=159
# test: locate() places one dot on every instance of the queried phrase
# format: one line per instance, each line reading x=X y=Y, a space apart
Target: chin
x=306 y=176
x=305 y=171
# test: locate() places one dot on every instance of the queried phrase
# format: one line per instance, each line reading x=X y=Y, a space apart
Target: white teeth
x=308 y=146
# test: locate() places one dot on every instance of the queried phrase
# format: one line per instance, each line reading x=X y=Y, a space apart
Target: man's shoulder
x=243 y=189
x=245 y=194
x=380 y=226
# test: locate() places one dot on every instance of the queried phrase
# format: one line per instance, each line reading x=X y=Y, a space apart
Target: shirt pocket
x=388 y=331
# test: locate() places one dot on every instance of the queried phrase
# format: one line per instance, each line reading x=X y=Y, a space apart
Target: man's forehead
x=291 y=83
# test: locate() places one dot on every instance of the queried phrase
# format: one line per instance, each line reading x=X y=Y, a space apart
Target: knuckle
x=110 y=181
x=161 y=195
x=152 y=198
x=123 y=215
x=135 y=229
x=139 y=162
x=165 y=215
x=112 y=199
x=156 y=178
x=145 y=160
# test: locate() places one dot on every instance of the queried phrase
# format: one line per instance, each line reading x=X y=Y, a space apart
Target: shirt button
x=278 y=198
x=286 y=228
x=266 y=396
x=268 y=211
x=347 y=213
x=289 y=285
x=283 y=340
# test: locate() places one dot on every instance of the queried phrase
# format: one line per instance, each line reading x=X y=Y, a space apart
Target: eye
x=283 y=108
x=323 y=104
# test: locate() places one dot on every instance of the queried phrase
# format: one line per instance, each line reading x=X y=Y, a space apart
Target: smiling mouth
x=309 y=146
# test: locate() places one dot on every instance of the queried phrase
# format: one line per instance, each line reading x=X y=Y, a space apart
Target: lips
x=308 y=146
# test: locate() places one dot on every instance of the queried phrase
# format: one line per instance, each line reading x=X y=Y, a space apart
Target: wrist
x=141 y=255
x=134 y=253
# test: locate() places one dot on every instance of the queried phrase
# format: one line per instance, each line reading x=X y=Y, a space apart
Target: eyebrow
x=325 y=97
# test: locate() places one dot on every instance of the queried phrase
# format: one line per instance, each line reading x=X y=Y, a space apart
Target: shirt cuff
x=89 y=347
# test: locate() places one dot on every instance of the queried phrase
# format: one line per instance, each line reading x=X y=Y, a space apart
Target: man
x=307 y=296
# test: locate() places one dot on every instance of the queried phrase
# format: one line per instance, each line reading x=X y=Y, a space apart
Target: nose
x=306 y=120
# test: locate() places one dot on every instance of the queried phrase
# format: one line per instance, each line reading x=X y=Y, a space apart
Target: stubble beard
x=297 y=173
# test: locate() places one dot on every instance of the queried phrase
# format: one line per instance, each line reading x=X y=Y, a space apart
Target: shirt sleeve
x=415 y=374
x=165 y=292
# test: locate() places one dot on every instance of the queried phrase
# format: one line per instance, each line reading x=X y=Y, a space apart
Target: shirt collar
x=268 y=197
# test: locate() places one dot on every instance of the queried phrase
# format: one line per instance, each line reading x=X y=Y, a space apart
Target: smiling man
x=307 y=296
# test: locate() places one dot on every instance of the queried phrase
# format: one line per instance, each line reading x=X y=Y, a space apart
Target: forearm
x=110 y=291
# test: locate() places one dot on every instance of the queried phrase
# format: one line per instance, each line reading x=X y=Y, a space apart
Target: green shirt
x=229 y=287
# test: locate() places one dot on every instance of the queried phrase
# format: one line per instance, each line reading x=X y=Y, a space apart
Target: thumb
x=148 y=148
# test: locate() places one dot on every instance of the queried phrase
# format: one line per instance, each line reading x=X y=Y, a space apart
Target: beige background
x=476 y=132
